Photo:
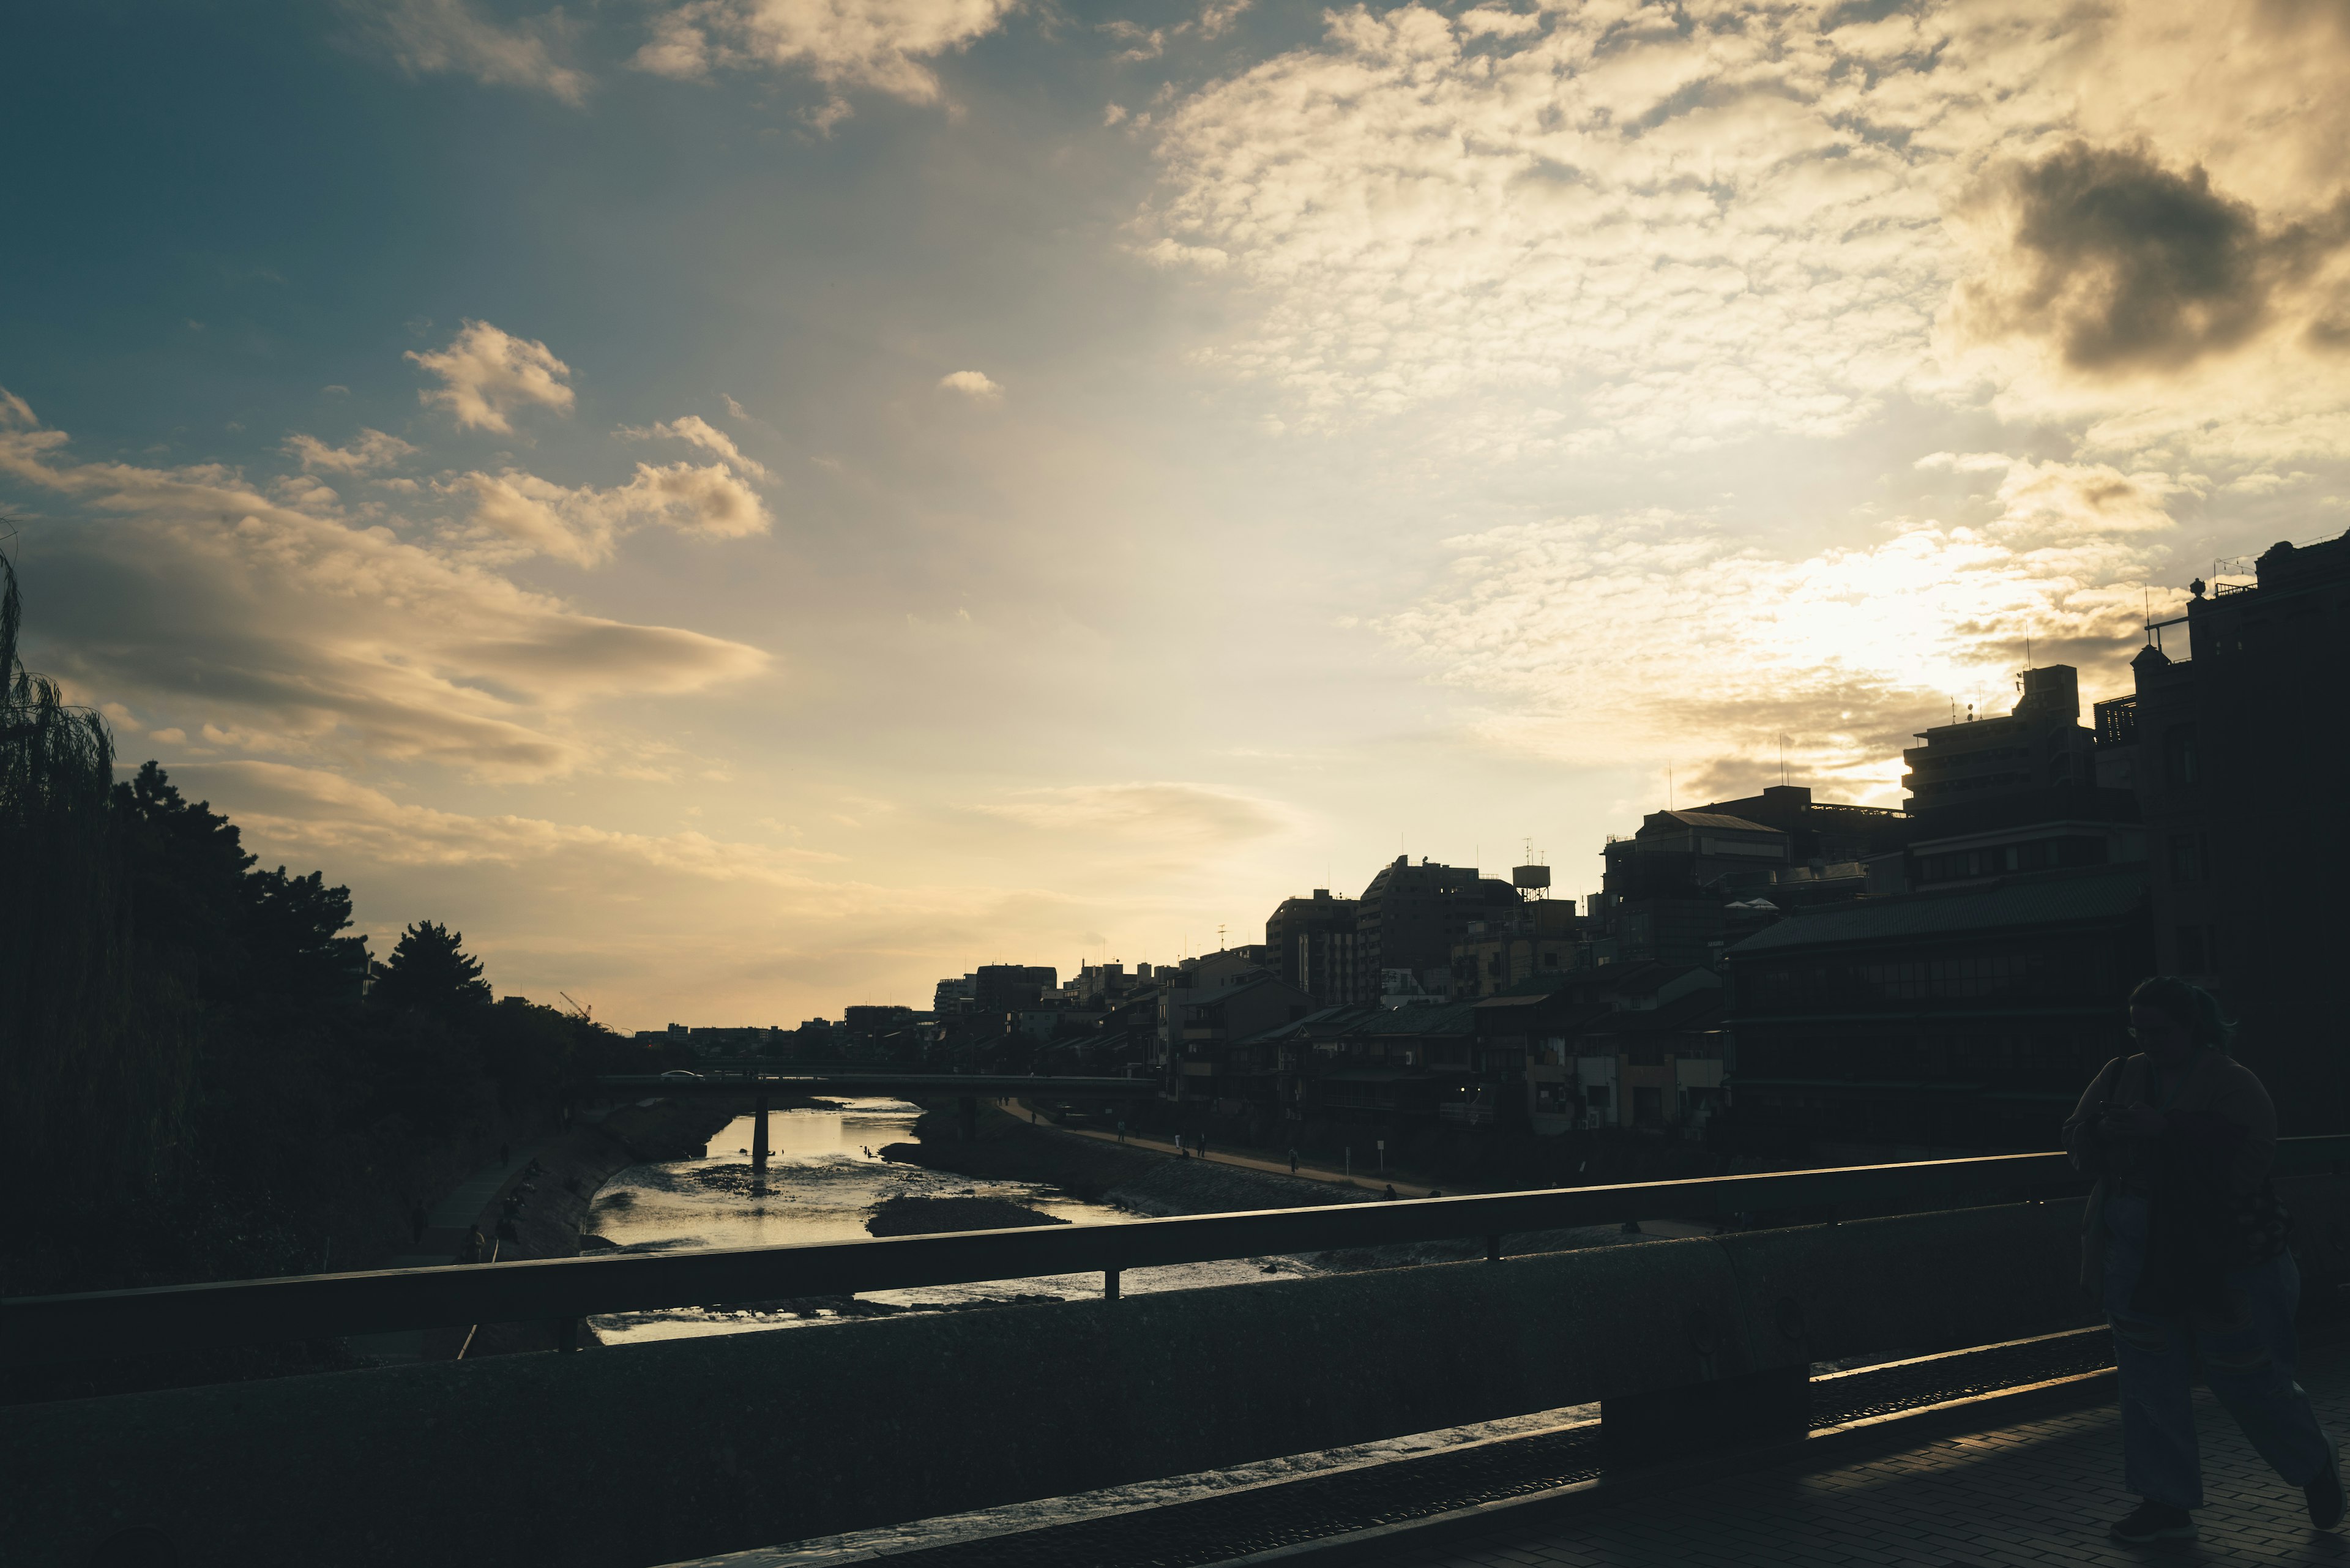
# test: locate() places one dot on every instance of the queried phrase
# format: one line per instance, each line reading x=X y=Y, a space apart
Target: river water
x=825 y=1174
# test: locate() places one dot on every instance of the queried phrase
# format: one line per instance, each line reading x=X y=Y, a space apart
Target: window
x=2179 y=764
x=2187 y=858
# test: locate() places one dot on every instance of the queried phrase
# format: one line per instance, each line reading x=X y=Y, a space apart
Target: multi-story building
x=1009 y=987
x=1666 y=887
x=1819 y=832
x=1412 y=915
x=2234 y=741
x=1506 y=947
x=1956 y=1018
x=1312 y=945
x=2041 y=742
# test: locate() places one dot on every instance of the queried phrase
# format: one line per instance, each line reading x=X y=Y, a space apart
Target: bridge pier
x=759 y=1145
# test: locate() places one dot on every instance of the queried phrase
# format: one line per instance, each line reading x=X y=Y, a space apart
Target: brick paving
x=2034 y=1494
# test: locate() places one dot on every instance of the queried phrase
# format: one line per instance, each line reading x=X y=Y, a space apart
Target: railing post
x=1109 y=1285
x=759 y=1145
x=1493 y=1249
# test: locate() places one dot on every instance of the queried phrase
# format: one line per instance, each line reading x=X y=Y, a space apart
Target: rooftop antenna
x=1783 y=762
x=1669 y=786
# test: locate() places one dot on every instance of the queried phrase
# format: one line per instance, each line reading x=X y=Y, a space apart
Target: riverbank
x=1145 y=1181
x=540 y=1210
x=1139 y=1180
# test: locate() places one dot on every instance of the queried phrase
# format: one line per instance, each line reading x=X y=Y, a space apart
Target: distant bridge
x=733 y=1078
x=968 y=1088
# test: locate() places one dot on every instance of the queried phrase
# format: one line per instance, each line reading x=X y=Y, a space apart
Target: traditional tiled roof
x=2040 y=899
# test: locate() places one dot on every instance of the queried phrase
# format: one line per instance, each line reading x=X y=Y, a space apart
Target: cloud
x=971 y=384
x=372 y=449
x=1588 y=224
x=429 y=37
x=293 y=632
x=526 y=514
x=2124 y=266
x=329 y=815
x=1545 y=232
x=486 y=375
x=1186 y=812
x=879 y=44
x=1654 y=636
x=697 y=431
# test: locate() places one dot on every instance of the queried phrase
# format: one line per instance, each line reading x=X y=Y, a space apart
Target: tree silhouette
x=430 y=973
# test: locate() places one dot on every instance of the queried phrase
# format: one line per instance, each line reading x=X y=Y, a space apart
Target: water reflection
x=825 y=1174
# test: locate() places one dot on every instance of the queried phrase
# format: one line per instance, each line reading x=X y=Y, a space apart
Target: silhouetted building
x=1663 y=894
x=2235 y=744
x=1009 y=987
x=1506 y=946
x=1312 y=943
x=875 y=1020
x=1412 y=915
x=1211 y=1062
x=1819 y=832
x=1959 y=1018
x=2041 y=742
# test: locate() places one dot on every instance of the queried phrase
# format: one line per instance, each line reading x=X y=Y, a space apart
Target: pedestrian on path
x=2185 y=1242
x=1293 y=1162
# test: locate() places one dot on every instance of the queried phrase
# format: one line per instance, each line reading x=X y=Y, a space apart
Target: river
x=825 y=1174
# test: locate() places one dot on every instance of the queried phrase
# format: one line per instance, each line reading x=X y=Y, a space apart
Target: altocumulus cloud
x=369 y=451
x=1648 y=227
x=284 y=628
x=880 y=45
x=487 y=374
x=1618 y=637
x=517 y=514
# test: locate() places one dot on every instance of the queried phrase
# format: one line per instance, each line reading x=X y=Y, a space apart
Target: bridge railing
x=40 y=1329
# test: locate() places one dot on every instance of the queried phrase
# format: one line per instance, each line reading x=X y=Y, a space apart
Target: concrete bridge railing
x=662 y=1452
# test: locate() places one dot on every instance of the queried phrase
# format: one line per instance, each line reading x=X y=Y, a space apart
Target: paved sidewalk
x=446 y=1228
x=1308 y=1171
x=2036 y=1493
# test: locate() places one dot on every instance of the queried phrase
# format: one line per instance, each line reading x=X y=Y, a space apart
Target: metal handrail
x=40 y=1329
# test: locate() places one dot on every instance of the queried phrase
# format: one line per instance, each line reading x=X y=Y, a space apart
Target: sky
x=744 y=507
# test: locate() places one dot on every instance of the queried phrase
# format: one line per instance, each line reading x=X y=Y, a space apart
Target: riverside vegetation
x=197 y=1081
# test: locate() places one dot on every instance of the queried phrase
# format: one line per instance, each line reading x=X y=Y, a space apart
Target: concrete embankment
x=1145 y=1181
x=554 y=1199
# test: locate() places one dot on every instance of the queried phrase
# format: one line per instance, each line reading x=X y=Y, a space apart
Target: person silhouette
x=2185 y=1241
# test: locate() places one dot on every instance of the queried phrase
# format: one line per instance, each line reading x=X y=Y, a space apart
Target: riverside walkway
x=2028 y=1495
x=2000 y=1482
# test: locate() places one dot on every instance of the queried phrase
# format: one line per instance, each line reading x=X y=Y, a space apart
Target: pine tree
x=430 y=972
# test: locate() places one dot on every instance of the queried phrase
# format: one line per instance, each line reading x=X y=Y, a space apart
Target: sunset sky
x=748 y=506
